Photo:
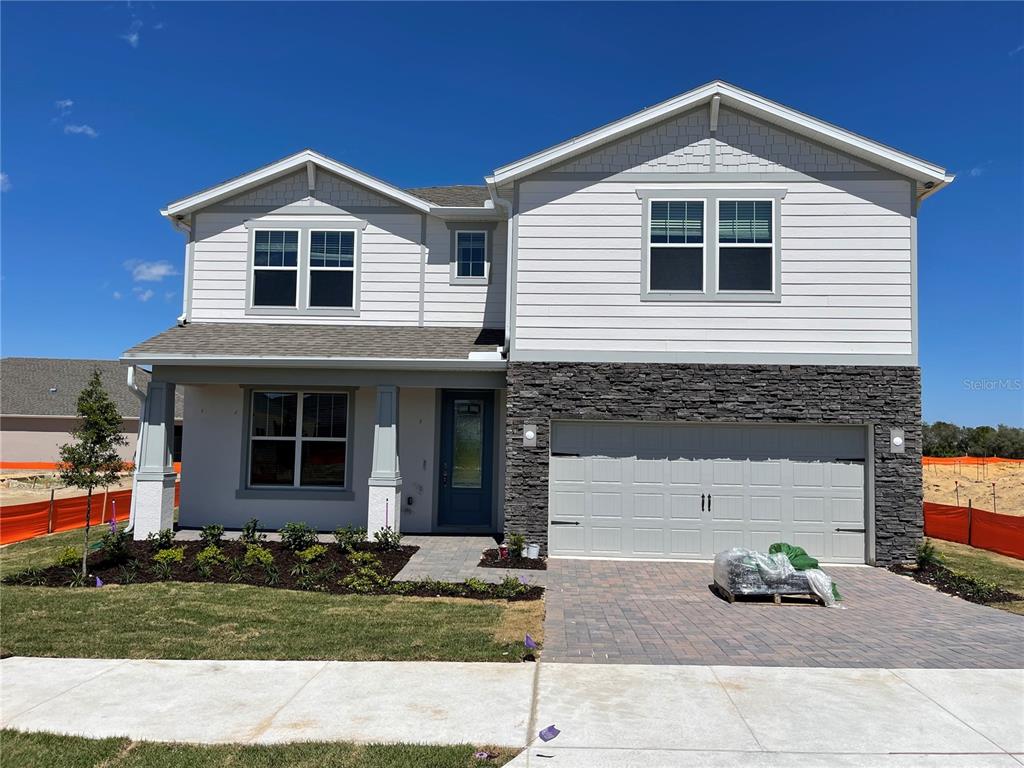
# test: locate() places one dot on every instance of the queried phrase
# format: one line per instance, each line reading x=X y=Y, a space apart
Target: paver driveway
x=664 y=613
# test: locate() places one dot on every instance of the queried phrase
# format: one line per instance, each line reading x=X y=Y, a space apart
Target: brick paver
x=664 y=613
x=457 y=558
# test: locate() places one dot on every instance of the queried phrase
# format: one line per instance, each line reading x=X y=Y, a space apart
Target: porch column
x=385 y=498
x=153 y=484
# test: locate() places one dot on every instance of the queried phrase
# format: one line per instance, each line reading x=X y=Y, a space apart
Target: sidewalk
x=609 y=715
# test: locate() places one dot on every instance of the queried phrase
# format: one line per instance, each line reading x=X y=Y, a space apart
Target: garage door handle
x=851 y=530
x=565 y=453
x=565 y=522
x=702 y=502
x=709 y=502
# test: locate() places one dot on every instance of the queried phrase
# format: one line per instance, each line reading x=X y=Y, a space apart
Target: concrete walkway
x=609 y=715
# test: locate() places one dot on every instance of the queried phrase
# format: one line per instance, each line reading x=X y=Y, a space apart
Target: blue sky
x=111 y=110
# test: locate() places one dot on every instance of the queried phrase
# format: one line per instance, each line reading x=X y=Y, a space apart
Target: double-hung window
x=470 y=254
x=298 y=439
x=332 y=268
x=746 y=249
x=676 y=245
x=275 y=267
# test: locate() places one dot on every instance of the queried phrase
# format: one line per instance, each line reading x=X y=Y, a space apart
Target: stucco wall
x=30 y=438
x=882 y=396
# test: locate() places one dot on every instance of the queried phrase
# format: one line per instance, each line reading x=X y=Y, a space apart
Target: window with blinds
x=745 y=245
x=676 y=245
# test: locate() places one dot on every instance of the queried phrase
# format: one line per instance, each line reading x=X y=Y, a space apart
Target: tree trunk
x=88 y=518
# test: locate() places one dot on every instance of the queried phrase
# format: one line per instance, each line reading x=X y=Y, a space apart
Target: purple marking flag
x=529 y=642
x=99 y=582
x=549 y=733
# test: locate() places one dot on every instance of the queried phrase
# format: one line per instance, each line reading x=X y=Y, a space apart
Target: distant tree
x=944 y=439
x=91 y=460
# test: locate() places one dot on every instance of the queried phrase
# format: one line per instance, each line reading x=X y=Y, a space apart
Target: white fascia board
x=280 y=168
x=360 y=363
x=745 y=101
x=467 y=213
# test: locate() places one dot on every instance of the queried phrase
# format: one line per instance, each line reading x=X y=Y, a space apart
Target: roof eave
x=358 y=363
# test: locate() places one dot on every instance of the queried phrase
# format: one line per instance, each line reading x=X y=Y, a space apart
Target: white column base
x=384 y=508
x=154 y=504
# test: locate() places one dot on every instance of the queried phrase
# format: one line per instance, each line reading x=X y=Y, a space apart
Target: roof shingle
x=459 y=195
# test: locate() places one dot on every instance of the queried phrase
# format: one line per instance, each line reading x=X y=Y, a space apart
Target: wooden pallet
x=776 y=597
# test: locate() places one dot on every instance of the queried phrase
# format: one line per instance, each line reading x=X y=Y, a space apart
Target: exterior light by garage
x=529 y=435
x=897 y=441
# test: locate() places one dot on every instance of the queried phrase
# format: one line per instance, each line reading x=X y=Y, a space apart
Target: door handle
x=702 y=502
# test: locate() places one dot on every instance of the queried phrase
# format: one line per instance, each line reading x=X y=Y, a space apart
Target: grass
x=29 y=750
x=41 y=551
x=1006 y=572
x=173 y=620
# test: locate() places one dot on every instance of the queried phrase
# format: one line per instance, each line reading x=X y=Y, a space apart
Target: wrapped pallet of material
x=747 y=572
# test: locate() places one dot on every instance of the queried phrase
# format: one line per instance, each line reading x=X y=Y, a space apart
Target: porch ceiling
x=267 y=343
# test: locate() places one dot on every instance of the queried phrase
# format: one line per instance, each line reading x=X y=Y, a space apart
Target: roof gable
x=715 y=96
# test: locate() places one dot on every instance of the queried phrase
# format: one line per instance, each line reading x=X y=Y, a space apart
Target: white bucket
x=533 y=551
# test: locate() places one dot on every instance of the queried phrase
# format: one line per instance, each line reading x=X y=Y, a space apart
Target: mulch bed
x=964 y=587
x=491 y=559
x=323 y=575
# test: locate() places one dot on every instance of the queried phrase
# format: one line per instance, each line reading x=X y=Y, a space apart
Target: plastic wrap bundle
x=747 y=572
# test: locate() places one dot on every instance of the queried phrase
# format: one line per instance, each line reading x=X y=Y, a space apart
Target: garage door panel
x=636 y=489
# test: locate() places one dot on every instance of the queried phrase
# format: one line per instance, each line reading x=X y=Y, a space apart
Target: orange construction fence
x=968 y=461
x=26 y=521
x=987 y=530
x=50 y=465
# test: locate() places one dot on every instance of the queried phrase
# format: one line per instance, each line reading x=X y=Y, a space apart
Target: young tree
x=92 y=460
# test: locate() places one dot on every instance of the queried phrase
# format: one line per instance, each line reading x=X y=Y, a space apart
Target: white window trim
x=454 y=229
x=296 y=269
x=703 y=245
x=473 y=279
x=311 y=269
x=772 y=247
x=298 y=439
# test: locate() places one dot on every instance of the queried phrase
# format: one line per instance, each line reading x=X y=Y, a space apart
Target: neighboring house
x=690 y=329
x=38 y=407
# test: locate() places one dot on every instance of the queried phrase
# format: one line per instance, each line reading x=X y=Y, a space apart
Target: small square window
x=471 y=254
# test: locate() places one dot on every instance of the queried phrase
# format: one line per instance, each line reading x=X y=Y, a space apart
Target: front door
x=465 y=498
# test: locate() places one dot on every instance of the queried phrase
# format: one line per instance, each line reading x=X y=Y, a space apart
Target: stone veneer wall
x=881 y=395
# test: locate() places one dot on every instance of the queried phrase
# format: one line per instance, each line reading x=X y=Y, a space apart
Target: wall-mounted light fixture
x=529 y=435
x=897 y=440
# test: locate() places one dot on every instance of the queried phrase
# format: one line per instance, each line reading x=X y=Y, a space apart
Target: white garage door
x=648 y=490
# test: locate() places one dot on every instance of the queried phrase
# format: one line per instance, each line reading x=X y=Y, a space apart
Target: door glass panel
x=468 y=444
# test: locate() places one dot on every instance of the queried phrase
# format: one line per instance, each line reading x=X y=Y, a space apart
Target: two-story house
x=690 y=329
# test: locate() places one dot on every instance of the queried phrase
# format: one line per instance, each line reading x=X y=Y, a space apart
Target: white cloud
x=979 y=169
x=85 y=130
x=149 y=271
x=169 y=295
x=5 y=182
x=143 y=295
x=1017 y=50
x=132 y=35
x=64 y=106
x=117 y=295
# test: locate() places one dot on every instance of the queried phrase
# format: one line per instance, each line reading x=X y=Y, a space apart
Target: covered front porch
x=408 y=442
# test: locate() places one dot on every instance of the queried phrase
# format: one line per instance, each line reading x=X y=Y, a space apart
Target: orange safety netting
x=969 y=461
x=51 y=465
x=977 y=527
x=26 y=521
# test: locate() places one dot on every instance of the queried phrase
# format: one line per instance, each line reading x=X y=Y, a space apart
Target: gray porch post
x=385 y=497
x=153 y=485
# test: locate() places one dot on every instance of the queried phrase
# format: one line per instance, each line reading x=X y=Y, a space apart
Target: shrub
x=130 y=572
x=364 y=579
x=162 y=540
x=75 y=578
x=165 y=560
x=296 y=536
x=115 y=543
x=349 y=538
x=927 y=555
x=510 y=587
x=311 y=554
x=236 y=568
x=474 y=584
x=257 y=555
x=387 y=539
x=211 y=535
x=251 y=532
x=271 y=575
x=207 y=558
x=30 y=577
x=364 y=560
x=68 y=557
x=516 y=543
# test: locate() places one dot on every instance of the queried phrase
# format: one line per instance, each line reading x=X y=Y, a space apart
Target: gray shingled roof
x=26 y=384
x=461 y=195
x=257 y=340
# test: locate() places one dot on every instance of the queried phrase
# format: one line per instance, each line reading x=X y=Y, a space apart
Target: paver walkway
x=608 y=715
x=664 y=613
x=457 y=558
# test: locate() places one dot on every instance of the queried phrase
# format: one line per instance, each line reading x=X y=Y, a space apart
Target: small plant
x=257 y=555
x=165 y=560
x=75 y=577
x=516 y=543
x=130 y=572
x=68 y=557
x=474 y=584
x=33 y=575
x=387 y=539
x=296 y=536
x=311 y=554
x=271 y=575
x=211 y=535
x=300 y=570
x=115 y=542
x=251 y=532
x=207 y=558
x=364 y=580
x=162 y=540
x=510 y=587
x=927 y=555
x=236 y=568
x=349 y=538
x=364 y=560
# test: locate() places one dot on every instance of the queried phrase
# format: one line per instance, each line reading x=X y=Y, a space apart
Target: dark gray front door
x=466 y=468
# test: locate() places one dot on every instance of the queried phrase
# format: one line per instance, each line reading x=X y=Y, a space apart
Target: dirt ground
x=24 y=486
x=940 y=484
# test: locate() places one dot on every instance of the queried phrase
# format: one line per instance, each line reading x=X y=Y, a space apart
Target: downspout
x=507 y=205
x=180 y=224
x=137 y=391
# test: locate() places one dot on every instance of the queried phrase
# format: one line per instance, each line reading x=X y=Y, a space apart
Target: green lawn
x=32 y=750
x=1007 y=572
x=42 y=551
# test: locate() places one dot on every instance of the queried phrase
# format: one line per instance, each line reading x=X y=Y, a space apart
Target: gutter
x=137 y=391
x=358 y=363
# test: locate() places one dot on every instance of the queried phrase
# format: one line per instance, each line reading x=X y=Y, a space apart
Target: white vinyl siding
x=462 y=304
x=846 y=274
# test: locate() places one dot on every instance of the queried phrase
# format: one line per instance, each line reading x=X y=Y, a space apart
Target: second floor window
x=745 y=246
x=677 y=245
x=471 y=254
x=331 y=268
x=275 y=268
